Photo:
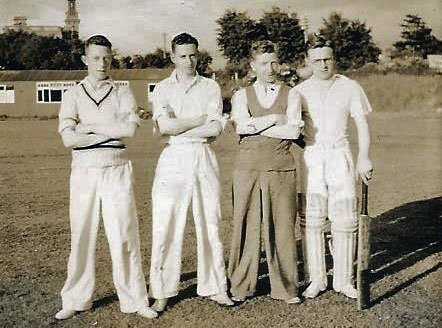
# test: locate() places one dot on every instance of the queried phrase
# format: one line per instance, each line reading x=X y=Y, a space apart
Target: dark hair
x=99 y=40
x=319 y=41
x=262 y=47
x=183 y=38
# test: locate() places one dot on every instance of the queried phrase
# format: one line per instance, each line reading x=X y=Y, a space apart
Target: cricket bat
x=363 y=271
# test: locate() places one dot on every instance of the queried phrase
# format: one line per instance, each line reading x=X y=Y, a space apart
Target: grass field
x=405 y=197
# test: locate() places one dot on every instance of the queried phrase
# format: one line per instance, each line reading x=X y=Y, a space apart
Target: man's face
x=98 y=60
x=185 y=58
x=322 y=62
x=266 y=67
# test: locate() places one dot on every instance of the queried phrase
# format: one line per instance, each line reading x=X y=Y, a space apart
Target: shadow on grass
x=402 y=237
x=106 y=300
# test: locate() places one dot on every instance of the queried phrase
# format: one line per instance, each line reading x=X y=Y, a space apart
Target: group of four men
x=95 y=117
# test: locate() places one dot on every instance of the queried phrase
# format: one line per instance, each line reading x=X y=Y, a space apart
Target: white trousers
x=108 y=190
x=186 y=173
x=330 y=191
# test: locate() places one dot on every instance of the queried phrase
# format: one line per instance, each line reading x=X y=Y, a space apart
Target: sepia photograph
x=220 y=163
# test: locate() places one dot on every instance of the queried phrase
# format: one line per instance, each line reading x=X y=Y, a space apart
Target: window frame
x=49 y=86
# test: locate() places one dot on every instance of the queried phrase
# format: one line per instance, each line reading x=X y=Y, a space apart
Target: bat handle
x=364 y=200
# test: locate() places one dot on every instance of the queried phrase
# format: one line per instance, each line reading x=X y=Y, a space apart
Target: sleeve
x=128 y=105
x=160 y=102
x=215 y=103
x=240 y=112
x=359 y=104
x=68 y=114
x=294 y=109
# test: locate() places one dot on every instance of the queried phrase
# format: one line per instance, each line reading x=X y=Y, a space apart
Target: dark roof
x=59 y=75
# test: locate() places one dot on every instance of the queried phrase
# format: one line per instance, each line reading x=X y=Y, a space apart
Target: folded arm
x=214 y=123
x=115 y=130
x=67 y=125
x=291 y=129
x=210 y=129
x=175 y=126
x=72 y=138
x=244 y=122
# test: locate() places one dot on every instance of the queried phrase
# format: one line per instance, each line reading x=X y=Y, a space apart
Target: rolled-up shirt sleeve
x=68 y=114
x=359 y=104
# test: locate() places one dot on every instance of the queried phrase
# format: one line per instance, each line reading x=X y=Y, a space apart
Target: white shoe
x=294 y=300
x=238 y=298
x=64 y=314
x=222 y=299
x=159 y=305
x=147 y=312
x=313 y=290
x=348 y=290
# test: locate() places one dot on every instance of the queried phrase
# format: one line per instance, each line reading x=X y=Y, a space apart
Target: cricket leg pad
x=344 y=241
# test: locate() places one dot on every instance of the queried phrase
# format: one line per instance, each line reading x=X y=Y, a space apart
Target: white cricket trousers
x=186 y=172
x=330 y=191
x=107 y=190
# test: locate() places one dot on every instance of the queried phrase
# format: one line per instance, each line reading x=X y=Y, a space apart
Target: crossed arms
x=195 y=127
x=200 y=126
x=272 y=125
x=77 y=134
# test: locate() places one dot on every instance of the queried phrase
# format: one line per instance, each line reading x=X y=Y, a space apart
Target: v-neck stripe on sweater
x=97 y=103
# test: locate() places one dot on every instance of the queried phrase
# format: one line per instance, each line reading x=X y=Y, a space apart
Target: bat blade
x=363 y=271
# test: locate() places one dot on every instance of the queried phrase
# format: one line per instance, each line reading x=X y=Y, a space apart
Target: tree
x=236 y=32
x=20 y=50
x=204 y=61
x=158 y=59
x=352 y=41
x=284 y=29
x=125 y=62
x=417 y=38
x=137 y=61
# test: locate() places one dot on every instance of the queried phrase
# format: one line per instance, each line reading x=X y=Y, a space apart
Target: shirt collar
x=174 y=79
x=274 y=87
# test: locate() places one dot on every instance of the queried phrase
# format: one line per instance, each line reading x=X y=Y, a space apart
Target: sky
x=138 y=26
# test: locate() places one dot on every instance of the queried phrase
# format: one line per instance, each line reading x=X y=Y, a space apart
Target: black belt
x=102 y=144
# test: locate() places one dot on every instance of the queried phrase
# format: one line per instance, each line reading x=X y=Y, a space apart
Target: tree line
x=353 y=43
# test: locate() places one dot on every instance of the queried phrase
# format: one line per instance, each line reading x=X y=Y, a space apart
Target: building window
x=122 y=83
x=52 y=92
x=7 y=94
x=150 y=88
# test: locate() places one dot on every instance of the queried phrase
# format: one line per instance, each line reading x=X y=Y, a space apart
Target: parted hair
x=183 y=38
x=263 y=47
x=99 y=40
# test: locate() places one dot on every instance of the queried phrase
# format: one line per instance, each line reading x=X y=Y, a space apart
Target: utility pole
x=305 y=27
x=164 y=44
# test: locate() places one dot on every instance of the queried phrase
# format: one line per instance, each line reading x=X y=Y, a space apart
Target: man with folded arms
x=94 y=117
x=267 y=116
x=187 y=109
